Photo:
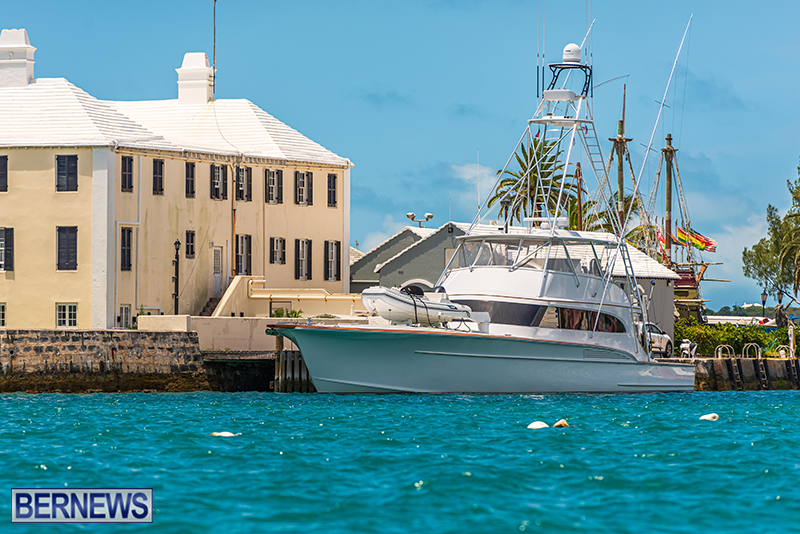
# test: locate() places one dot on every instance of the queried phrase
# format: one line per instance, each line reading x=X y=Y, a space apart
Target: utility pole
x=176 y=263
x=620 y=147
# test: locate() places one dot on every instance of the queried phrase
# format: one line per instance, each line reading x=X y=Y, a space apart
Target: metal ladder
x=790 y=363
x=738 y=383
x=762 y=373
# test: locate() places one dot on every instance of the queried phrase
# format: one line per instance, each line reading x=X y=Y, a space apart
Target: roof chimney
x=16 y=58
x=195 y=79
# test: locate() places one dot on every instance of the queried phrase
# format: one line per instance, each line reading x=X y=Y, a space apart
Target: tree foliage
x=708 y=337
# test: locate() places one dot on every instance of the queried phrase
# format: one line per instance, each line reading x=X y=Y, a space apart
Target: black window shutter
x=62 y=249
x=236 y=256
x=9 y=237
x=272 y=250
x=338 y=260
x=249 y=239
x=308 y=262
x=61 y=173
x=187 y=181
x=297 y=259
x=224 y=182
x=3 y=173
x=249 y=184
x=283 y=251
x=266 y=185
x=212 y=180
x=297 y=187
x=72 y=173
x=72 y=252
x=280 y=188
x=310 y=188
x=326 y=272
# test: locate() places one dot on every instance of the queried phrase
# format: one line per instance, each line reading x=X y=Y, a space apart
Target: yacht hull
x=343 y=359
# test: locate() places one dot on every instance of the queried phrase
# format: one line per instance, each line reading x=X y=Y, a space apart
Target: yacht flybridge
x=532 y=308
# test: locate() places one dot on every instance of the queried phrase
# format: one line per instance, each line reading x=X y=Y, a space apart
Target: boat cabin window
x=559 y=256
x=519 y=314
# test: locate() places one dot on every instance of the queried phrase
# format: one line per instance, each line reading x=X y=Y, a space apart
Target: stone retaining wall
x=100 y=360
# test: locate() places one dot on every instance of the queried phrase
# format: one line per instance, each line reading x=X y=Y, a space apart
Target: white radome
x=572 y=53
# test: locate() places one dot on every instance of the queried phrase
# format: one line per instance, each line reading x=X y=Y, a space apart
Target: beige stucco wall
x=34 y=209
x=167 y=217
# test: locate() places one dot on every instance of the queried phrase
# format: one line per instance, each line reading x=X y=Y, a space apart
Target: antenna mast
x=214 y=55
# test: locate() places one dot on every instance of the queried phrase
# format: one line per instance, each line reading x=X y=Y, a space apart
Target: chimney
x=195 y=79
x=16 y=58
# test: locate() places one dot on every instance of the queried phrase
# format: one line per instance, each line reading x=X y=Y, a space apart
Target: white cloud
x=478 y=181
x=389 y=227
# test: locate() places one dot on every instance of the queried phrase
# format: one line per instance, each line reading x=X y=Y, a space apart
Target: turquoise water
x=408 y=463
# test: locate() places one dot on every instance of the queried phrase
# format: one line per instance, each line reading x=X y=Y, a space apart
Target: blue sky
x=410 y=91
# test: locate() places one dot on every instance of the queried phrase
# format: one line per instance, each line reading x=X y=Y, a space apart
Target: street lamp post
x=175 y=262
x=763 y=302
x=411 y=215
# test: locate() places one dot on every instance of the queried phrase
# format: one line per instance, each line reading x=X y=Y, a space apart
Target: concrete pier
x=744 y=374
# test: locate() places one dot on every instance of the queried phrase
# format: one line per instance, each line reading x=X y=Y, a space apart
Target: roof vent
x=195 y=79
x=16 y=58
x=572 y=53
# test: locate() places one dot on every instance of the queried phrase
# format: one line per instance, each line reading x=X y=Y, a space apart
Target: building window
x=190 y=244
x=6 y=249
x=158 y=176
x=3 y=174
x=244 y=184
x=243 y=256
x=2 y=314
x=219 y=182
x=189 y=179
x=124 y=319
x=333 y=261
x=277 y=250
x=67 y=248
x=274 y=186
x=302 y=259
x=66 y=173
x=127 y=174
x=66 y=315
x=332 y=190
x=125 y=249
x=304 y=188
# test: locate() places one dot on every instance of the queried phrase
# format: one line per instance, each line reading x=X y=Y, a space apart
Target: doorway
x=217 y=270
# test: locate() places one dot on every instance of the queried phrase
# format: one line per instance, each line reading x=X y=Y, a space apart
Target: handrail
x=746 y=350
x=729 y=353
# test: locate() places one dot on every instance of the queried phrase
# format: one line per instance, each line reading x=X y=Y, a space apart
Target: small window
x=127 y=174
x=277 y=250
x=244 y=184
x=333 y=261
x=243 y=256
x=66 y=315
x=219 y=182
x=66 y=173
x=302 y=259
x=190 y=244
x=124 y=319
x=67 y=237
x=189 y=179
x=6 y=249
x=158 y=176
x=3 y=174
x=2 y=314
x=332 y=190
x=304 y=188
x=273 y=180
x=125 y=248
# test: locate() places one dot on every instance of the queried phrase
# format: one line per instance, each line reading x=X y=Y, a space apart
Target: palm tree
x=533 y=189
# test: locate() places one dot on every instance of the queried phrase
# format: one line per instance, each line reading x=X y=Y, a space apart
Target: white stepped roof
x=227 y=127
x=53 y=112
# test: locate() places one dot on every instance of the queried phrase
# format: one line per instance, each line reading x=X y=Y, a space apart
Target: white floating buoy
x=709 y=417
x=561 y=423
x=538 y=424
x=224 y=434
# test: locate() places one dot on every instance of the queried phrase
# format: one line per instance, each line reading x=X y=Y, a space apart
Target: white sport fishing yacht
x=531 y=309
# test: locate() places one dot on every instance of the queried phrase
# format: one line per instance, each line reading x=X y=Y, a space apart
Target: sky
x=416 y=93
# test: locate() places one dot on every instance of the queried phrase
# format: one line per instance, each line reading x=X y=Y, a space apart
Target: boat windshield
x=539 y=254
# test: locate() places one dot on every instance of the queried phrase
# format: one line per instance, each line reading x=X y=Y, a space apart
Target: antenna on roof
x=214 y=54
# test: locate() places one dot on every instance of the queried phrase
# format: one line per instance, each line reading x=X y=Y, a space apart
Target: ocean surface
x=416 y=463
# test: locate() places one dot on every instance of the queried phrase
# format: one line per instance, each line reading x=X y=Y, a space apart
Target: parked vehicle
x=660 y=340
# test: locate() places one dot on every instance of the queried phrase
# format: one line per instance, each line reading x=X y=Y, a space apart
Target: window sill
x=75 y=270
x=127 y=190
x=190 y=257
x=158 y=193
x=189 y=196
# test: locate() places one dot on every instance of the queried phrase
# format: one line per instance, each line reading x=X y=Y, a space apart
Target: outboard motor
x=688 y=349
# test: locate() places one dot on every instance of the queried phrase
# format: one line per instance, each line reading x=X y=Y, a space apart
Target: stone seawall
x=744 y=374
x=100 y=360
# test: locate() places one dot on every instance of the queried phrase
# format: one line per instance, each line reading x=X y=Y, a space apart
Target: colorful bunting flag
x=682 y=238
x=709 y=245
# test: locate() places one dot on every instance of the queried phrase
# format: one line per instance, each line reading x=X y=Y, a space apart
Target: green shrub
x=285 y=312
x=708 y=337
